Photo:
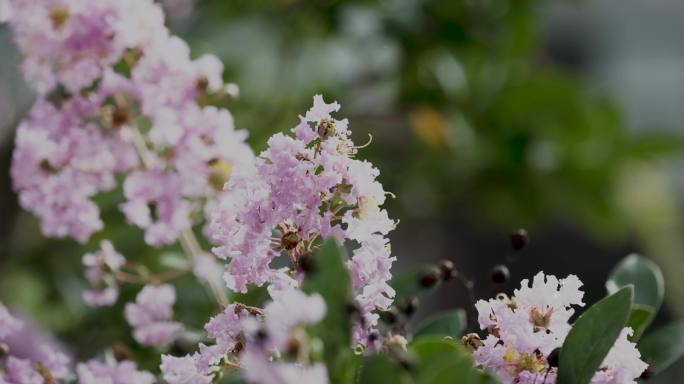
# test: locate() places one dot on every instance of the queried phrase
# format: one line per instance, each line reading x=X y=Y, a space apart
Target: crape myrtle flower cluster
x=301 y=190
x=48 y=364
x=527 y=329
x=252 y=339
x=118 y=95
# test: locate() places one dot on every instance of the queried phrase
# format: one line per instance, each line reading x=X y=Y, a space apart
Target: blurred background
x=564 y=118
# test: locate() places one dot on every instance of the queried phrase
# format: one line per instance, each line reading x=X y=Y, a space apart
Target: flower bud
x=397 y=342
x=472 y=341
x=431 y=278
x=326 y=128
x=519 y=239
x=447 y=269
x=220 y=173
x=59 y=17
x=500 y=274
x=389 y=317
x=408 y=306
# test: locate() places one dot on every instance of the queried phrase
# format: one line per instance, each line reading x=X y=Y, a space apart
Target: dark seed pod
x=202 y=84
x=409 y=305
x=518 y=239
x=261 y=335
x=429 y=279
x=122 y=352
x=446 y=268
x=121 y=116
x=373 y=336
x=389 y=317
x=307 y=263
x=500 y=274
x=293 y=346
x=553 y=358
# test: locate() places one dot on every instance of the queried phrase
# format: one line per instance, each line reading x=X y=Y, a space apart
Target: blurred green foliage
x=469 y=113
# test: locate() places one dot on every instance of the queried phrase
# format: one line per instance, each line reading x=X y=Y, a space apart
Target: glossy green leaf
x=440 y=360
x=639 y=318
x=664 y=346
x=331 y=280
x=379 y=369
x=592 y=336
x=645 y=275
x=451 y=323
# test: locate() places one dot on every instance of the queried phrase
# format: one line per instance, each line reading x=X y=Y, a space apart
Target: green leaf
x=451 y=323
x=649 y=289
x=441 y=360
x=379 y=369
x=639 y=318
x=645 y=275
x=664 y=346
x=331 y=280
x=592 y=336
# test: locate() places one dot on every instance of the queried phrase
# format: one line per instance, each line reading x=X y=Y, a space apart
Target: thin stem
x=193 y=249
x=145 y=278
x=188 y=240
x=170 y=275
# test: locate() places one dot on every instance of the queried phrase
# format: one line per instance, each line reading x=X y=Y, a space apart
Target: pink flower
x=8 y=323
x=183 y=370
x=100 y=267
x=125 y=372
x=151 y=314
x=153 y=202
x=291 y=310
x=526 y=328
x=259 y=369
x=300 y=190
x=21 y=371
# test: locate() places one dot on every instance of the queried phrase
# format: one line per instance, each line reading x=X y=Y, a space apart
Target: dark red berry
x=500 y=274
x=446 y=268
x=518 y=239
x=429 y=279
